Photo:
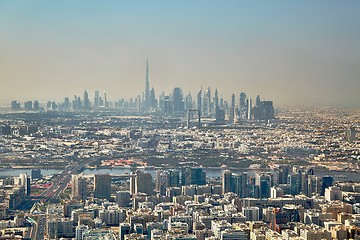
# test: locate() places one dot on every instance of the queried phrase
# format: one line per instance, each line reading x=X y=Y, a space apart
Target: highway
x=58 y=185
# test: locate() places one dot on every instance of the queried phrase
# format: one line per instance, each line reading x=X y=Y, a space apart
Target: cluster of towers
x=176 y=103
x=206 y=104
x=275 y=184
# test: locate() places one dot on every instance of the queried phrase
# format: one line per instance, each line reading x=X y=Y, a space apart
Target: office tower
x=188 y=102
x=124 y=228
x=263 y=181
x=25 y=182
x=165 y=179
x=267 y=110
x=208 y=101
x=263 y=110
x=304 y=183
x=144 y=183
x=243 y=105
x=67 y=106
x=193 y=176
x=36 y=174
x=106 y=103
x=78 y=187
x=147 y=93
x=28 y=105
x=294 y=180
x=174 y=178
x=178 y=101
x=86 y=101
x=220 y=116
x=97 y=99
x=257 y=102
x=232 y=109
x=216 y=100
x=153 y=102
x=102 y=186
x=327 y=181
x=167 y=105
x=36 y=105
x=240 y=184
x=249 y=109
x=227 y=181
x=138 y=103
x=161 y=182
x=15 y=105
x=199 y=101
x=283 y=174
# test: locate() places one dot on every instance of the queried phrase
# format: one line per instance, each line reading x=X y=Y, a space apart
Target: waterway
x=13 y=172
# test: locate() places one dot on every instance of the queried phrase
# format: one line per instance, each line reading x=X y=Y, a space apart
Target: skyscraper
x=232 y=109
x=227 y=181
x=97 y=99
x=243 y=105
x=178 y=103
x=102 y=186
x=86 y=101
x=144 y=183
x=78 y=187
x=199 y=101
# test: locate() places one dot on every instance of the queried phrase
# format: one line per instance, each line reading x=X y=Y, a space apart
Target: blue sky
x=287 y=51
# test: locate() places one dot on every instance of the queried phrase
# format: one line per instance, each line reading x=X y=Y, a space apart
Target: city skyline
x=291 y=53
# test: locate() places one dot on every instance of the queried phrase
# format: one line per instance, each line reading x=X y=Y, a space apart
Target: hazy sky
x=287 y=51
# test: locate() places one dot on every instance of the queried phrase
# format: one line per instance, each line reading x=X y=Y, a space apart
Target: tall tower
x=147 y=93
x=102 y=186
x=78 y=187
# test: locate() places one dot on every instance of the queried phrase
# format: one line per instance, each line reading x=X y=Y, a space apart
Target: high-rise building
x=15 y=105
x=193 y=176
x=240 y=184
x=178 y=101
x=36 y=174
x=97 y=99
x=165 y=179
x=167 y=105
x=294 y=180
x=28 y=105
x=216 y=99
x=102 y=186
x=86 y=101
x=78 y=187
x=232 y=109
x=243 y=105
x=220 y=116
x=144 y=183
x=199 y=101
x=153 y=101
x=25 y=182
x=263 y=110
x=263 y=181
x=227 y=181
